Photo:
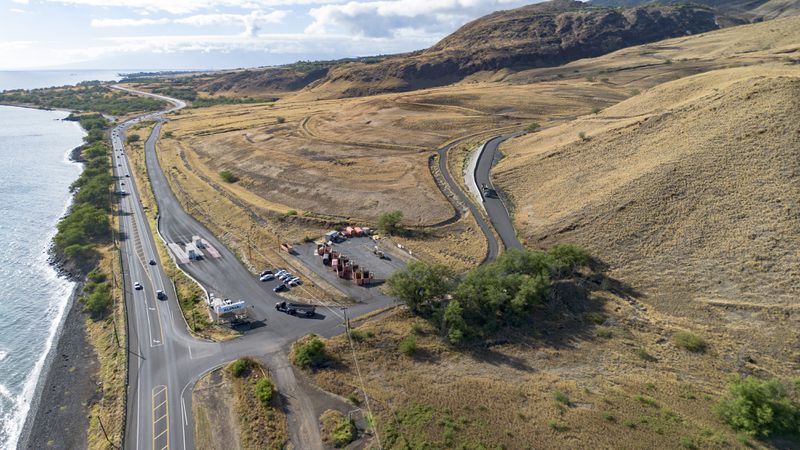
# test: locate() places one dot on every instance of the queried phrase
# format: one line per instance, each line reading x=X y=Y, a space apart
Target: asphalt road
x=165 y=360
x=494 y=205
x=492 y=246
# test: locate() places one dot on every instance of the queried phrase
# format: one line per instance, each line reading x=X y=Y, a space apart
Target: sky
x=220 y=34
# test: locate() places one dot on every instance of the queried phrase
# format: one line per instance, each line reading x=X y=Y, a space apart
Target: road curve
x=495 y=207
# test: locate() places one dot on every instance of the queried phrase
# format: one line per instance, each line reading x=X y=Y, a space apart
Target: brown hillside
x=540 y=35
x=689 y=191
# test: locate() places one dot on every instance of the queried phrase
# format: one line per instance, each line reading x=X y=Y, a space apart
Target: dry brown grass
x=506 y=395
x=108 y=338
x=228 y=414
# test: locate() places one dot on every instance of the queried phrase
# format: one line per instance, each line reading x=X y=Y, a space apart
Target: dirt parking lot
x=358 y=250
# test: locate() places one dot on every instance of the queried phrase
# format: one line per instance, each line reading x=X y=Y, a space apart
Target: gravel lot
x=360 y=251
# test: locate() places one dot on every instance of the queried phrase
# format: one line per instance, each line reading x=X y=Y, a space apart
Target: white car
x=294 y=282
x=137 y=286
x=267 y=277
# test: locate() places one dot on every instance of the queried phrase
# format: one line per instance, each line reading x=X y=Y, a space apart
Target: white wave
x=14 y=420
x=3 y=355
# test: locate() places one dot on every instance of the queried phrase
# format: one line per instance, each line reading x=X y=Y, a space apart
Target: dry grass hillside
x=689 y=191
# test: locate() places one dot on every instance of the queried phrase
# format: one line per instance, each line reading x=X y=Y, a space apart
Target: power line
x=360 y=377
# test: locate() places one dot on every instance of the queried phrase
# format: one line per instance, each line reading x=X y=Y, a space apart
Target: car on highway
x=161 y=295
x=152 y=262
x=280 y=288
x=266 y=277
x=128 y=175
x=137 y=286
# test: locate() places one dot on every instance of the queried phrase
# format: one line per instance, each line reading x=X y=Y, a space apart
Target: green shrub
x=408 y=346
x=646 y=400
x=240 y=367
x=607 y=416
x=228 y=176
x=360 y=336
x=98 y=299
x=389 y=222
x=311 y=353
x=265 y=391
x=280 y=119
x=532 y=127
x=759 y=407
x=688 y=443
x=691 y=342
x=561 y=397
x=557 y=426
x=133 y=138
x=343 y=433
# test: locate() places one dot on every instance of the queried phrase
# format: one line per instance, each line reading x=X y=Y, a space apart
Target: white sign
x=225 y=309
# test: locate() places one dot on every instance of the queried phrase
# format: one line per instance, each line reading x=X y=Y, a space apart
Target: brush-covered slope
x=730 y=12
x=690 y=190
x=539 y=35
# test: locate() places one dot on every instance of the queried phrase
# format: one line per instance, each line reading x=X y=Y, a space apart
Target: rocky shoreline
x=58 y=417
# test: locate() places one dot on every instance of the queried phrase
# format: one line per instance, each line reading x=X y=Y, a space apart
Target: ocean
x=34 y=79
x=35 y=174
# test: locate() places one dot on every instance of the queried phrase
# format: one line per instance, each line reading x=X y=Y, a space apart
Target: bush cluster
x=97 y=297
x=500 y=294
x=228 y=176
x=87 y=223
x=85 y=97
x=265 y=390
x=760 y=408
x=311 y=353
x=240 y=367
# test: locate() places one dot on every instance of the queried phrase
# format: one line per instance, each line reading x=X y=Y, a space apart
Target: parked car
x=294 y=282
x=285 y=276
x=267 y=277
x=161 y=295
x=137 y=286
x=266 y=272
x=280 y=272
x=280 y=288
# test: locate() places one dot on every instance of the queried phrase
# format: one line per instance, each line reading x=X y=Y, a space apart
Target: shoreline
x=78 y=363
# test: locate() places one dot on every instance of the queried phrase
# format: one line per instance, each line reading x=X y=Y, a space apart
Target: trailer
x=296 y=309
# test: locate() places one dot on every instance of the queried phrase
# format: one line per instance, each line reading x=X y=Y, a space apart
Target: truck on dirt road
x=296 y=309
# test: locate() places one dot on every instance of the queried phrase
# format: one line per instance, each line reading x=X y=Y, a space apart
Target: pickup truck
x=296 y=309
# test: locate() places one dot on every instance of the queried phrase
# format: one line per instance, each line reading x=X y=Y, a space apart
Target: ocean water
x=34 y=79
x=35 y=174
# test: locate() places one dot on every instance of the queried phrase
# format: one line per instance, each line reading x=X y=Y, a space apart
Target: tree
x=419 y=283
x=759 y=407
x=389 y=222
x=133 y=138
x=228 y=176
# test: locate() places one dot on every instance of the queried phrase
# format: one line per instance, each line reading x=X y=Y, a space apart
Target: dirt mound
x=693 y=200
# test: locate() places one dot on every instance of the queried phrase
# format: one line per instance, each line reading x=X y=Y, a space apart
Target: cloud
x=390 y=18
x=17 y=10
x=187 y=6
x=107 y=23
x=21 y=2
x=252 y=22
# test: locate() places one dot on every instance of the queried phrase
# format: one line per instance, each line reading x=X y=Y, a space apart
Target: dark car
x=161 y=295
x=280 y=288
x=152 y=262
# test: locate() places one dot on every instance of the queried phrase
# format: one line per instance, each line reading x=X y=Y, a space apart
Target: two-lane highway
x=165 y=360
